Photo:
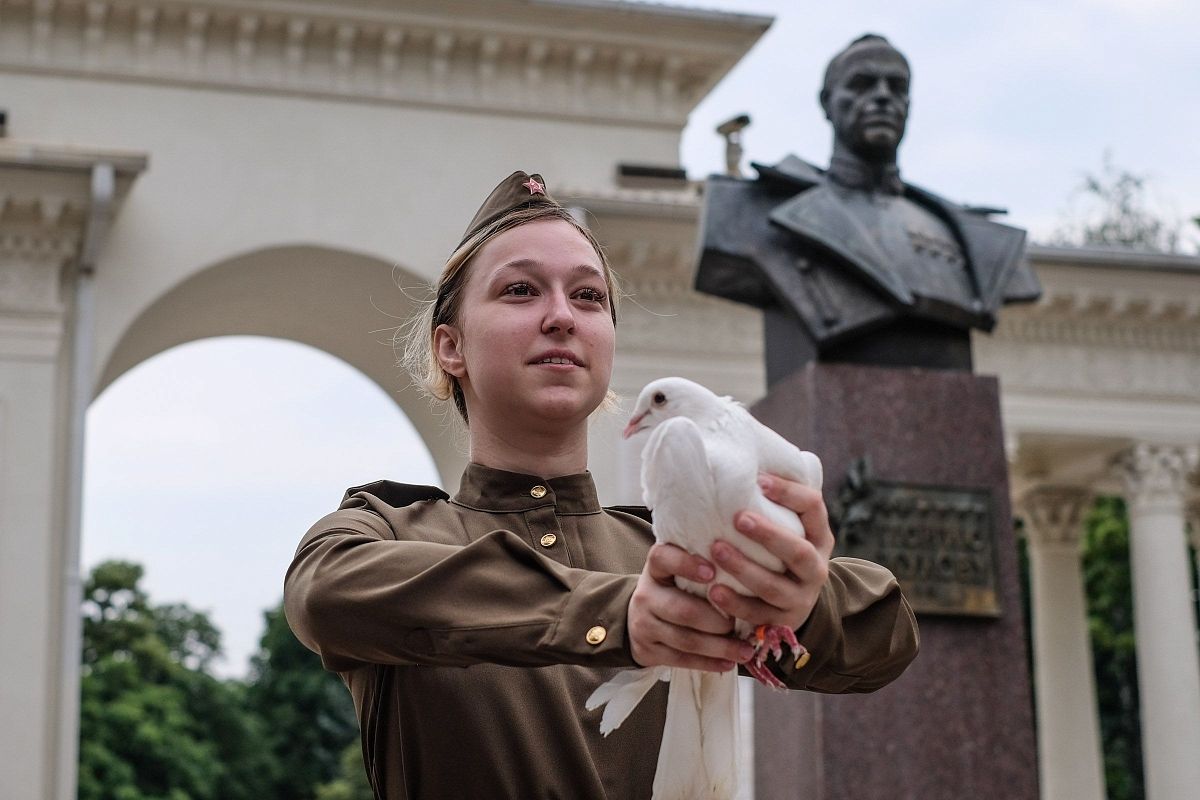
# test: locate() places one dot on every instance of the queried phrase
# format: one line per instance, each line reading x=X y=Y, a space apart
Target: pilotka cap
x=519 y=190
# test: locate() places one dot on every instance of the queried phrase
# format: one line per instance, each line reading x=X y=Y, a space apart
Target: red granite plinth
x=958 y=724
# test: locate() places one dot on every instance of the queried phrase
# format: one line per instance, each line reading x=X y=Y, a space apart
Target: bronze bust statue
x=851 y=264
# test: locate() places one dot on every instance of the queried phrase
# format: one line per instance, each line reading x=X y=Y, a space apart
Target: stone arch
x=344 y=303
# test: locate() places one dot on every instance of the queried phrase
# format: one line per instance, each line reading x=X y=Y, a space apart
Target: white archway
x=342 y=303
x=206 y=463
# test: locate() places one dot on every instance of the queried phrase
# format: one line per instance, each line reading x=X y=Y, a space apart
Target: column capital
x=1054 y=515
x=1157 y=474
x=48 y=216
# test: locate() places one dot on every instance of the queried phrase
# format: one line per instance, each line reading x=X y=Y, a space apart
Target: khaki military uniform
x=471 y=630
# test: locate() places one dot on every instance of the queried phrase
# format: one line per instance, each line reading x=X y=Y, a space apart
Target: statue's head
x=865 y=97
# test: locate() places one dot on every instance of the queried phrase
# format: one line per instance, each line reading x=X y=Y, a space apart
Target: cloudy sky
x=209 y=461
x=1013 y=102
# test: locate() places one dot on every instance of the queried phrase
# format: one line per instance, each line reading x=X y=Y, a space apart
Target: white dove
x=700 y=467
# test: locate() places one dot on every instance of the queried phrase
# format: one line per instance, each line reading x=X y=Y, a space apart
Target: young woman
x=471 y=629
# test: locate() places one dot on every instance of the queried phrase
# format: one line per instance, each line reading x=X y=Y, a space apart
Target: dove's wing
x=677 y=484
x=778 y=456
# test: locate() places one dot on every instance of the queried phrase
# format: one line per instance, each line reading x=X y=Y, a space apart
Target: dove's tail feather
x=621 y=695
x=720 y=717
x=698 y=756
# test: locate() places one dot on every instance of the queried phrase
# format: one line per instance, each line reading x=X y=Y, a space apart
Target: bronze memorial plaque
x=938 y=541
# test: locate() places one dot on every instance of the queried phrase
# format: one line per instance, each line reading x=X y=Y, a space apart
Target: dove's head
x=672 y=397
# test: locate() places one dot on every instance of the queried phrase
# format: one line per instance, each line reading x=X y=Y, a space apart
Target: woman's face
x=534 y=338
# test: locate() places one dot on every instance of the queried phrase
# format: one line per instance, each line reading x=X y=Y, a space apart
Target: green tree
x=1109 y=586
x=308 y=713
x=154 y=724
x=351 y=784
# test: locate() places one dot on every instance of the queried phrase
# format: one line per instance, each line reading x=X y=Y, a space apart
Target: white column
x=1069 y=753
x=31 y=437
x=1165 y=624
x=57 y=207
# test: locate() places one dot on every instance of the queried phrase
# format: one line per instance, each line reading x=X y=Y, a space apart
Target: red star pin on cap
x=520 y=190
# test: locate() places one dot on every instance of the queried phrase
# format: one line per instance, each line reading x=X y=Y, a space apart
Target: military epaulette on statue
x=398 y=495
x=792 y=170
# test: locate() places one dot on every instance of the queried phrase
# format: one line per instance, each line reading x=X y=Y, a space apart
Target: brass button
x=549 y=539
x=803 y=659
x=538 y=491
x=596 y=634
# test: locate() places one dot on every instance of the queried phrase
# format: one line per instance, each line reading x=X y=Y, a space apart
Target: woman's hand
x=785 y=598
x=673 y=628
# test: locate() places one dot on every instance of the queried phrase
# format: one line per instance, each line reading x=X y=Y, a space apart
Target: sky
x=208 y=462
x=1013 y=102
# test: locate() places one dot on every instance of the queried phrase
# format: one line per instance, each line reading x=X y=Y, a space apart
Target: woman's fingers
x=747 y=608
x=777 y=598
x=671 y=627
x=805 y=501
x=677 y=607
x=666 y=561
x=704 y=645
x=668 y=657
x=776 y=594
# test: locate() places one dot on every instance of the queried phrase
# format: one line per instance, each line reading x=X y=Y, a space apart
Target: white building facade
x=179 y=169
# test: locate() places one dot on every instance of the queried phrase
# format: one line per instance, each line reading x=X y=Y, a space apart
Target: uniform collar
x=488 y=489
x=855 y=174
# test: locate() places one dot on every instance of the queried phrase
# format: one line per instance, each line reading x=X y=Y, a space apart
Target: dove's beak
x=634 y=425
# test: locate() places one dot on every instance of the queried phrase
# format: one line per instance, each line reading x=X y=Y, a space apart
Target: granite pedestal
x=958 y=725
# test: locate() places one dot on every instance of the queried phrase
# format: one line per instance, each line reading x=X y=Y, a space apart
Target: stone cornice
x=682 y=205
x=45 y=192
x=1118 y=306
x=45 y=203
x=608 y=62
x=65 y=158
x=1150 y=332
x=1113 y=258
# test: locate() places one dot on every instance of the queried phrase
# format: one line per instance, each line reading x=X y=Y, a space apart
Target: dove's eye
x=659 y=398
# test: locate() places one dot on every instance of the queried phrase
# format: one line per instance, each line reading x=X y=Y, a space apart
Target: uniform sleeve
x=356 y=595
x=862 y=633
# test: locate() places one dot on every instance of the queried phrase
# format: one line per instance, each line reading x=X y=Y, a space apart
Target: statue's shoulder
x=793 y=172
x=752 y=197
x=995 y=250
x=956 y=213
x=974 y=225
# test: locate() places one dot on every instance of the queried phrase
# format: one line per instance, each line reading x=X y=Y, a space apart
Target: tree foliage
x=309 y=716
x=1109 y=585
x=155 y=724
x=351 y=783
x=1114 y=209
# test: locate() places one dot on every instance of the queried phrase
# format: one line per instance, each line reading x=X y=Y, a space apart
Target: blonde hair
x=418 y=356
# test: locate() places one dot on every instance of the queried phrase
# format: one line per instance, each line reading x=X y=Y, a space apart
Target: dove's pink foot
x=769 y=640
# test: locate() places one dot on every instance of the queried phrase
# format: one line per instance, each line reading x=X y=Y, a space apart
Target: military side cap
x=517 y=191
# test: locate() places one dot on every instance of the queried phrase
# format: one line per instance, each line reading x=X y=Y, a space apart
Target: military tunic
x=471 y=630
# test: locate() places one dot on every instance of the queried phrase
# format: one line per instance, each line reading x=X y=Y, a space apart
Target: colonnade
x=1155 y=480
